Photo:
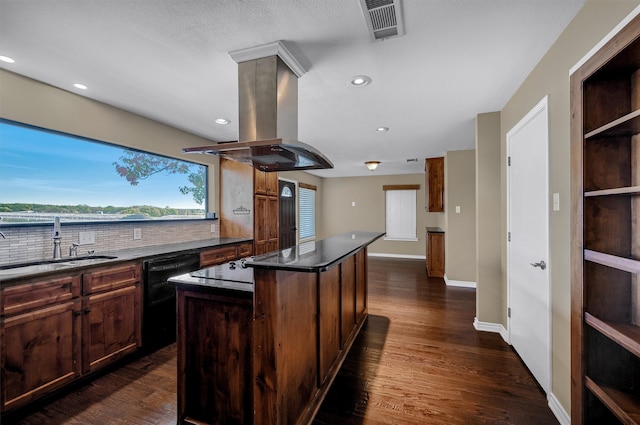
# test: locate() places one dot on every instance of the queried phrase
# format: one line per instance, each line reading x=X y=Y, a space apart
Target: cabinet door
x=434 y=173
x=260 y=182
x=271 y=223
x=259 y=227
x=39 y=352
x=111 y=326
x=212 y=257
x=435 y=254
x=272 y=183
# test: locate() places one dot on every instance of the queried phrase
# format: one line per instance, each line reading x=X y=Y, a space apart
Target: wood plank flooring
x=417 y=360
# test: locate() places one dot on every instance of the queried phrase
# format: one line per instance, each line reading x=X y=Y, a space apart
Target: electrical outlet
x=556 y=201
x=457 y=209
x=86 y=238
x=353 y=203
x=137 y=234
x=213 y=227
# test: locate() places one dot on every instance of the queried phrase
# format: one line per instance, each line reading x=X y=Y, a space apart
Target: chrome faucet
x=73 y=250
x=57 y=238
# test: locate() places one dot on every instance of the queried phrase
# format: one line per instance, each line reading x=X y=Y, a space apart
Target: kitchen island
x=260 y=341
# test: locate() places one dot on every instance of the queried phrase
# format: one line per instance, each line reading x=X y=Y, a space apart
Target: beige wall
x=32 y=102
x=489 y=300
x=338 y=216
x=460 y=236
x=551 y=77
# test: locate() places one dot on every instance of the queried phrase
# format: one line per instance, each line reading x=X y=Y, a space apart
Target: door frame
x=541 y=107
x=295 y=182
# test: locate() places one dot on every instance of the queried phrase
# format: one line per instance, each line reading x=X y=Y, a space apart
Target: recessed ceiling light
x=80 y=86
x=382 y=129
x=360 y=80
x=222 y=121
x=7 y=59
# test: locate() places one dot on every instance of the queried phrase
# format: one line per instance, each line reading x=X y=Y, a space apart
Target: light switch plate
x=556 y=201
x=137 y=234
x=457 y=209
x=86 y=238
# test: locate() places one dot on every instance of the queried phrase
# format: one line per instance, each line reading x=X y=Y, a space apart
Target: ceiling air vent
x=383 y=18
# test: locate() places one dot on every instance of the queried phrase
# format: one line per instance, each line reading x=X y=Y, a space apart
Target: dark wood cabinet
x=265 y=183
x=112 y=314
x=605 y=247
x=39 y=338
x=265 y=233
x=434 y=174
x=214 y=360
x=215 y=256
x=435 y=252
x=55 y=330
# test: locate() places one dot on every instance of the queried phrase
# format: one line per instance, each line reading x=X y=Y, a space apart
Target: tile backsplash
x=34 y=242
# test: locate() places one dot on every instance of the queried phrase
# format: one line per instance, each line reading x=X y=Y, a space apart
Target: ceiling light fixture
x=372 y=165
x=382 y=129
x=80 y=86
x=7 y=59
x=222 y=121
x=360 y=80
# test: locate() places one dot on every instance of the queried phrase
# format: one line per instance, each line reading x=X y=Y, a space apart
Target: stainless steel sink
x=60 y=263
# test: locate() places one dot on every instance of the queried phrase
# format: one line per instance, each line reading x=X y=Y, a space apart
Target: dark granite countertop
x=143 y=253
x=434 y=230
x=221 y=277
x=315 y=256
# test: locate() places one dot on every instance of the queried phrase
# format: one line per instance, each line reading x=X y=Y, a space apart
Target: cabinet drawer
x=112 y=277
x=217 y=256
x=38 y=293
x=245 y=249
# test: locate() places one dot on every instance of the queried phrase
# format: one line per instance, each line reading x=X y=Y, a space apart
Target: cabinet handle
x=77 y=313
x=87 y=310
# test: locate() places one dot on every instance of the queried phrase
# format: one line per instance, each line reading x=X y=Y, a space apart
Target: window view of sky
x=43 y=167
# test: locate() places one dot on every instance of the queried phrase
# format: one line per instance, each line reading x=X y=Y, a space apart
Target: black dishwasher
x=159 y=312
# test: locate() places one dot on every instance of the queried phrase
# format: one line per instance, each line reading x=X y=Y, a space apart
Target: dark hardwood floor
x=417 y=360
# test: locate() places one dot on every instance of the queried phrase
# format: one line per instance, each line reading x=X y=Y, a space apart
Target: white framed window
x=307 y=208
x=400 y=213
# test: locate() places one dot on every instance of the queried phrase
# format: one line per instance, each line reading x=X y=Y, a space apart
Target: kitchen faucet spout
x=57 y=238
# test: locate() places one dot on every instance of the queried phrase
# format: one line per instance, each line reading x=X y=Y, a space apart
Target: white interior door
x=528 y=245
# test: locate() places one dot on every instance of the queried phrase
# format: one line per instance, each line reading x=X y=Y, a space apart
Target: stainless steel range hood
x=268 y=114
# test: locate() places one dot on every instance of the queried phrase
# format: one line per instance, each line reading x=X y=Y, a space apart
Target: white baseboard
x=459 y=283
x=561 y=415
x=491 y=327
x=408 y=256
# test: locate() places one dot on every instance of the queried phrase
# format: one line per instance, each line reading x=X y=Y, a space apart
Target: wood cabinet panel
x=348 y=297
x=38 y=293
x=435 y=254
x=265 y=232
x=112 y=277
x=111 y=326
x=214 y=360
x=265 y=183
x=434 y=173
x=245 y=250
x=361 y=284
x=212 y=257
x=328 y=321
x=39 y=352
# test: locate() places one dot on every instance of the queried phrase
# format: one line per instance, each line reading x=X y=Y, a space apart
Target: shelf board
x=625 y=406
x=631 y=190
x=625 y=126
x=624 y=334
x=620 y=263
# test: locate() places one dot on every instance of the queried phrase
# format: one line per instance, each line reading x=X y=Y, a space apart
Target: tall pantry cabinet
x=605 y=158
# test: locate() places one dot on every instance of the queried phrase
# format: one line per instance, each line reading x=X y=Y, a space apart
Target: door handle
x=541 y=264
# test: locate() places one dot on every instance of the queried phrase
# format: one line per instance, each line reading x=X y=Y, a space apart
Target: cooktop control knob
x=232 y=265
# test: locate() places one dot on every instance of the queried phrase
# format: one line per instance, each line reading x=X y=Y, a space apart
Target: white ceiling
x=168 y=60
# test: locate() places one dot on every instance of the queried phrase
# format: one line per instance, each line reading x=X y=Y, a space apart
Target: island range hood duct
x=268 y=114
